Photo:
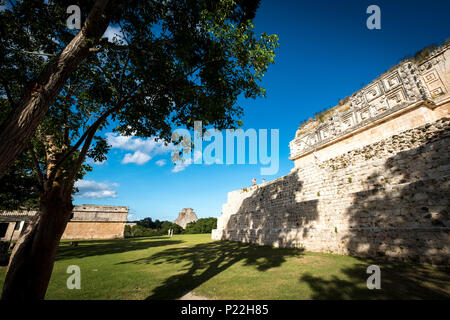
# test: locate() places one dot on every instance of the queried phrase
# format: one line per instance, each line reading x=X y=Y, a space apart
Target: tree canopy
x=202 y=225
x=189 y=60
x=172 y=64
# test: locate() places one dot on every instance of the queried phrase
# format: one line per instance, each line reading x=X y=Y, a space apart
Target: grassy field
x=168 y=268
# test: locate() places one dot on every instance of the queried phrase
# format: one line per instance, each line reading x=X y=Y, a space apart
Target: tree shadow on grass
x=88 y=248
x=398 y=281
x=203 y=261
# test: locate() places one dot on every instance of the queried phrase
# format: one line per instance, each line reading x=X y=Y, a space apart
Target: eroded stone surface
x=371 y=180
x=185 y=216
x=88 y=222
x=409 y=85
x=390 y=198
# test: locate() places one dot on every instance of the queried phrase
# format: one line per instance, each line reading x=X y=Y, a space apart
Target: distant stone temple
x=371 y=176
x=88 y=222
x=186 y=215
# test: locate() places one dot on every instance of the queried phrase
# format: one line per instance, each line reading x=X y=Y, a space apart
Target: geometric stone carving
x=392 y=81
x=348 y=120
x=396 y=98
x=430 y=76
x=373 y=92
x=437 y=92
x=325 y=132
x=364 y=113
x=404 y=85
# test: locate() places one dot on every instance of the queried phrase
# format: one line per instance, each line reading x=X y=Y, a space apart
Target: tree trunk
x=17 y=130
x=32 y=259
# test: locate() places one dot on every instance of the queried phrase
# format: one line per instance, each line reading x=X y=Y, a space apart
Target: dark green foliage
x=178 y=62
x=166 y=225
x=18 y=187
x=139 y=231
x=149 y=223
x=203 y=225
x=147 y=228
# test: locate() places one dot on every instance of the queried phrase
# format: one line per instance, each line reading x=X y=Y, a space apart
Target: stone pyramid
x=186 y=215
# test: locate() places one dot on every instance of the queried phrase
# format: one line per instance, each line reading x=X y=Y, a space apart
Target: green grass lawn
x=168 y=268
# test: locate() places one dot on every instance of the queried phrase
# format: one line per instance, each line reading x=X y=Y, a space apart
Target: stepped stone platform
x=369 y=179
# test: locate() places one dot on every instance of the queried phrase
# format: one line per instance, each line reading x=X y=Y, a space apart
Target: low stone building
x=371 y=176
x=88 y=222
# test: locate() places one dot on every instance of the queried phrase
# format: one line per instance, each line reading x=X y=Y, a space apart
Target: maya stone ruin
x=88 y=222
x=370 y=176
x=185 y=216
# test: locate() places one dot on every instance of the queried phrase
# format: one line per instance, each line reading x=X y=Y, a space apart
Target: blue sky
x=326 y=53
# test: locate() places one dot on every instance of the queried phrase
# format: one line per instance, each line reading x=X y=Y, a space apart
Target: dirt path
x=191 y=296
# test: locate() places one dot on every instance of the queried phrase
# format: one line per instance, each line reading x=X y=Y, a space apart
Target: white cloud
x=95 y=190
x=144 y=149
x=138 y=157
x=149 y=145
x=161 y=162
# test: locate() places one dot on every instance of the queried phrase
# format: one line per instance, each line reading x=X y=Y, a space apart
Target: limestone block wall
x=98 y=213
x=94 y=230
x=88 y=222
x=389 y=198
x=96 y=222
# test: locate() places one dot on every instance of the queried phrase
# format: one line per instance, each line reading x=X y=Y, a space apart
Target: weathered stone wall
x=371 y=176
x=408 y=118
x=94 y=230
x=96 y=222
x=390 y=198
x=88 y=222
x=185 y=216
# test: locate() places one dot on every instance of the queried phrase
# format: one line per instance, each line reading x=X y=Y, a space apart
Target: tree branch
x=22 y=124
x=65 y=120
x=86 y=145
x=40 y=53
x=36 y=166
x=81 y=158
x=89 y=132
